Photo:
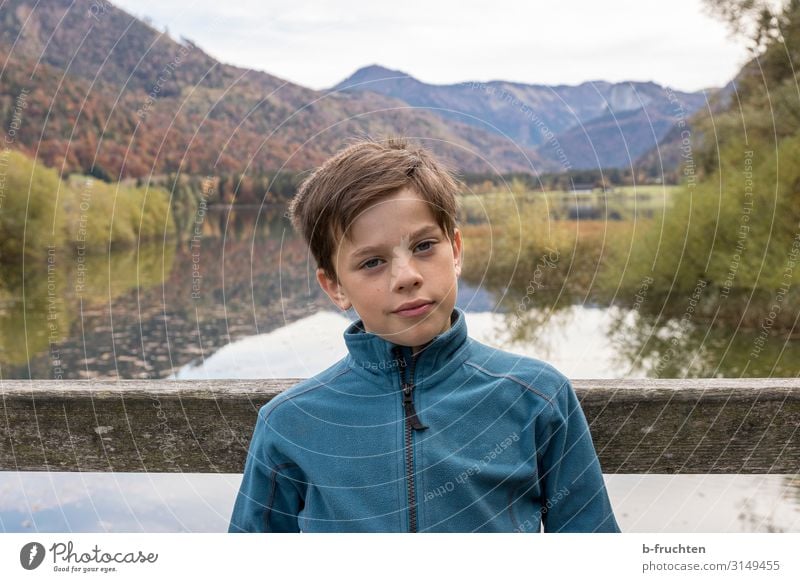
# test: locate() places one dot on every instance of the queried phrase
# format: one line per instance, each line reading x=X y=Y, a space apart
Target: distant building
x=581 y=188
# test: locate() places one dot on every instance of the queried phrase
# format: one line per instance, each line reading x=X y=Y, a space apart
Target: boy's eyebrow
x=431 y=228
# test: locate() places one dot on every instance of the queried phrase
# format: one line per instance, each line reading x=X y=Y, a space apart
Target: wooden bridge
x=727 y=426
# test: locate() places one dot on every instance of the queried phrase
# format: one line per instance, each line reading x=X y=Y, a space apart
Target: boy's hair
x=330 y=199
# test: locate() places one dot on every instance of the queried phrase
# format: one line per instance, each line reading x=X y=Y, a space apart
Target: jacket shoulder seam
x=513 y=379
x=300 y=393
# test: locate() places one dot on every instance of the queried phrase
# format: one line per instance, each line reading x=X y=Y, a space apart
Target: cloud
x=318 y=45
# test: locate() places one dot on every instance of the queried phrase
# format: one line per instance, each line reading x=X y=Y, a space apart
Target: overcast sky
x=317 y=44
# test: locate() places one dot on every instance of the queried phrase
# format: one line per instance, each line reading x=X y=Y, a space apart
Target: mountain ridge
x=573 y=117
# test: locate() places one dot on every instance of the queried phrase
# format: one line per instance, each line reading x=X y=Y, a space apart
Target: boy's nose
x=404 y=272
x=407 y=278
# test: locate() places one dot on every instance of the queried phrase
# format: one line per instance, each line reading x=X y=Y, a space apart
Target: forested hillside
x=734 y=228
x=106 y=94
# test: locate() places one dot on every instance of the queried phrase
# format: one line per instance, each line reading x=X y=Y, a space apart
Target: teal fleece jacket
x=460 y=437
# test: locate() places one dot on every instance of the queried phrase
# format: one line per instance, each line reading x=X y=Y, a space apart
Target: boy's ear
x=333 y=290
x=458 y=255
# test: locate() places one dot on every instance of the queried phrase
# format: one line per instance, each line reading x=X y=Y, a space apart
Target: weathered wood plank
x=638 y=426
x=695 y=426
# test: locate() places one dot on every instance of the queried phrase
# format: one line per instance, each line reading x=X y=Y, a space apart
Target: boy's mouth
x=414 y=308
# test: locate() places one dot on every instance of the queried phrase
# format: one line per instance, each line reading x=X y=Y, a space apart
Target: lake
x=239 y=300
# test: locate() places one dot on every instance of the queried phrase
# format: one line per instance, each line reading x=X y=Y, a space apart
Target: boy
x=420 y=428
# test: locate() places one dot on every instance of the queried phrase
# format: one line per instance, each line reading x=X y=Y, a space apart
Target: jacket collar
x=375 y=357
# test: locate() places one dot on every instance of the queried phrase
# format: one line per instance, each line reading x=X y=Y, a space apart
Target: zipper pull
x=408 y=406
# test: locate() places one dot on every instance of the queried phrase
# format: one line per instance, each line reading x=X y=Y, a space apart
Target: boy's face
x=410 y=259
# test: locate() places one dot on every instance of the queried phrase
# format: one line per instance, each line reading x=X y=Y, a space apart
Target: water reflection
x=145 y=312
x=148 y=312
x=115 y=502
x=662 y=347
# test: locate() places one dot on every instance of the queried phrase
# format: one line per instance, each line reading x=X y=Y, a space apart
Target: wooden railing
x=638 y=426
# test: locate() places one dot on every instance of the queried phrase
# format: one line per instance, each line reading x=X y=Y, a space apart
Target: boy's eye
x=369 y=262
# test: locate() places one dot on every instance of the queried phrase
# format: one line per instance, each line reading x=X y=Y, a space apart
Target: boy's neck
x=416 y=349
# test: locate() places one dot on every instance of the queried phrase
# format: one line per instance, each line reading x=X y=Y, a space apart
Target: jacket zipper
x=412 y=423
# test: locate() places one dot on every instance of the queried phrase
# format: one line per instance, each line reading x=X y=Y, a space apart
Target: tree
x=758 y=20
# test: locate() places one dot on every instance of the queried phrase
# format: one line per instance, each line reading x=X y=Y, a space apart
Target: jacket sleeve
x=269 y=499
x=574 y=496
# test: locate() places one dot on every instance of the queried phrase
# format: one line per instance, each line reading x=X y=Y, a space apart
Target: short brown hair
x=331 y=198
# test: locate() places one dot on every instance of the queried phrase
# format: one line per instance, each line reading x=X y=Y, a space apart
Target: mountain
x=594 y=124
x=105 y=93
x=684 y=148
